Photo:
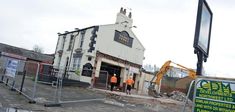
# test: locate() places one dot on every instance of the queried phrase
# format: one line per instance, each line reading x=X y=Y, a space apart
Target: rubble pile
x=177 y=95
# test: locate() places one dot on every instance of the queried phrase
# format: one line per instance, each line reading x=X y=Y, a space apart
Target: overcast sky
x=165 y=27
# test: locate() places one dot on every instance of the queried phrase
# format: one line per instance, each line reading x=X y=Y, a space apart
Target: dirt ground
x=71 y=97
x=12 y=99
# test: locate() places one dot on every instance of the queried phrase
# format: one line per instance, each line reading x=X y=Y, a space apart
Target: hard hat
x=114 y=74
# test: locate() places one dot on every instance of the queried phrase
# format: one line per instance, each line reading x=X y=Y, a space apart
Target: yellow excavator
x=154 y=88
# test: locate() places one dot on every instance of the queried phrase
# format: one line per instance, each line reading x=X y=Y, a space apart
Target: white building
x=93 y=50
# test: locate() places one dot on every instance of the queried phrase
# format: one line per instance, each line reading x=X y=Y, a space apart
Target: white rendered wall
x=105 y=43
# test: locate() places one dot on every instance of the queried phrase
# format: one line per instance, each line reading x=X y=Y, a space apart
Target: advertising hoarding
x=11 y=68
x=214 y=95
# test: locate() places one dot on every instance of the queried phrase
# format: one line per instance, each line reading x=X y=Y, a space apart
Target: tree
x=37 y=48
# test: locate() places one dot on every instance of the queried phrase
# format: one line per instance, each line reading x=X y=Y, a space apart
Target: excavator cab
x=155 y=83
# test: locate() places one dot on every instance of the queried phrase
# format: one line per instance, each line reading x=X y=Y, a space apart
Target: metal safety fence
x=26 y=76
x=70 y=90
x=15 y=73
x=50 y=85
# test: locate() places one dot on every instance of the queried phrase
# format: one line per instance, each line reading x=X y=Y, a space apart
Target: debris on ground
x=178 y=96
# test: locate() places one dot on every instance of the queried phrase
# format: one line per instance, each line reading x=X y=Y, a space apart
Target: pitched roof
x=29 y=54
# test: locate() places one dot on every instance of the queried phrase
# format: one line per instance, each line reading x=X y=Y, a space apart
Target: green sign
x=213 y=95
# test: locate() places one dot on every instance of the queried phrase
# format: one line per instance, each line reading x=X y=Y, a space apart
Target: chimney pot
x=130 y=15
x=124 y=12
x=121 y=10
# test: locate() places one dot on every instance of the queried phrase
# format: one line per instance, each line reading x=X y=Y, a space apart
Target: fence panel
x=73 y=90
x=13 y=74
x=32 y=79
x=25 y=82
x=46 y=83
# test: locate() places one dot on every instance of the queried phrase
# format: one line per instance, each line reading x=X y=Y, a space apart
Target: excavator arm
x=155 y=82
x=166 y=66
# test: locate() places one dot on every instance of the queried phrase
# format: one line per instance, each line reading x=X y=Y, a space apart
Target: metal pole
x=22 y=82
x=35 y=83
x=107 y=79
x=199 y=62
x=7 y=81
x=60 y=89
x=1 y=81
x=4 y=71
x=13 y=85
x=23 y=78
x=186 y=101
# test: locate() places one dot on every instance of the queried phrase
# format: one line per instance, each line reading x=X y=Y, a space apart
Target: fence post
x=2 y=78
x=34 y=86
x=107 y=80
x=7 y=81
x=12 y=86
x=59 y=90
x=189 y=89
x=1 y=81
x=22 y=82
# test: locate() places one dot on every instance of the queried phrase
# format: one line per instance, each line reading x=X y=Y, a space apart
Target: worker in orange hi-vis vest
x=129 y=83
x=113 y=81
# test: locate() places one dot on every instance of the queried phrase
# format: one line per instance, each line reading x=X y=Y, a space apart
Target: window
x=87 y=70
x=63 y=42
x=82 y=38
x=70 y=43
x=76 y=63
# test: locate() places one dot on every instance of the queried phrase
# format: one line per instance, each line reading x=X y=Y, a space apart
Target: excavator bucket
x=153 y=92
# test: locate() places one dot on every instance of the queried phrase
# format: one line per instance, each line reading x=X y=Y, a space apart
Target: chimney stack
x=124 y=17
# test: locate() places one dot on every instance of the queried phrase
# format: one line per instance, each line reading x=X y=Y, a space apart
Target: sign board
x=11 y=68
x=123 y=38
x=203 y=28
x=133 y=70
x=214 y=95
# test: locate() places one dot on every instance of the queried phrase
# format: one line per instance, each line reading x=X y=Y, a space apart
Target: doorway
x=112 y=69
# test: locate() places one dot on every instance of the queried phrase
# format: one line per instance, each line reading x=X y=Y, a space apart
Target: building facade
x=103 y=49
